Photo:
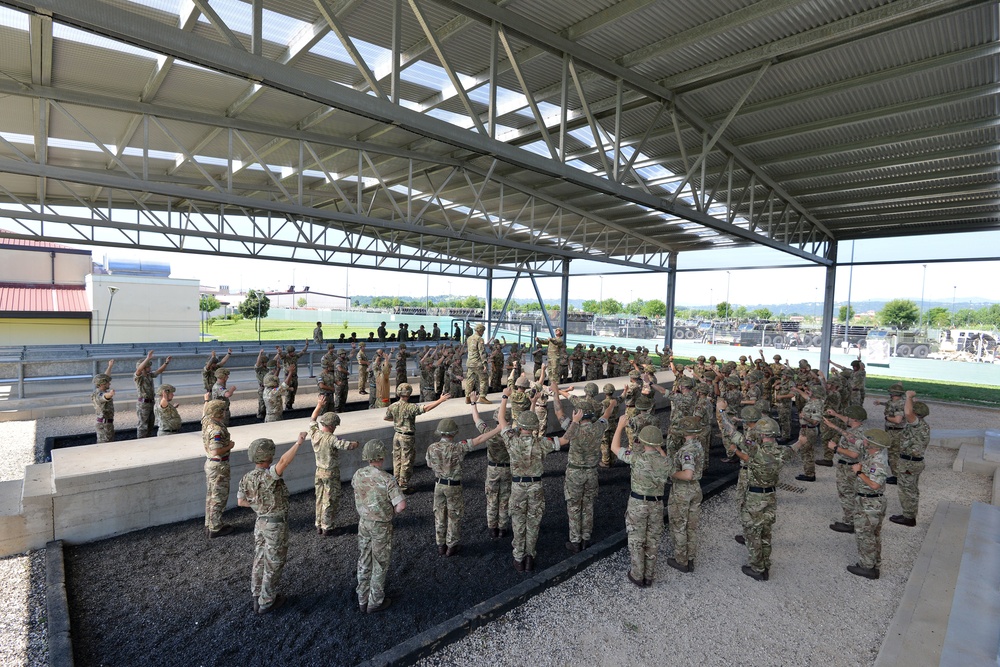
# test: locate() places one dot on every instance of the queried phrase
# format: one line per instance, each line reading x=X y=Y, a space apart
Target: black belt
x=449 y=482
x=893 y=428
x=911 y=458
x=405 y=432
x=219 y=459
x=525 y=480
x=498 y=465
x=760 y=489
x=143 y=400
x=652 y=499
x=576 y=467
x=846 y=463
x=102 y=420
x=870 y=495
x=809 y=425
x=272 y=519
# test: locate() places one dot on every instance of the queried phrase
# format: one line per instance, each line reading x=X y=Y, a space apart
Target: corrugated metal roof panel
x=43 y=299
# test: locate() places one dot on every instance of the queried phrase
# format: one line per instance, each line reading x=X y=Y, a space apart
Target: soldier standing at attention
x=145 y=396
x=383 y=333
x=222 y=393
x=855 y=417
x=444 y=458
x=580 y=486
x=167 y=418
x=894 y=416
x=326 y=447
x=377 y=497
x=497 y=479
x=218 y=444
x=870 y=473
x=764 y=459
x=403 y=416
x=318 y=334
x=103 y=399
x=264 y=491
x=644 y=514
x=291 y=358
x=527 y=497
x=362 y=369
x=213 y=364
x=475 y=376
x=684 y=505
x=435 y=332
x=916 y=437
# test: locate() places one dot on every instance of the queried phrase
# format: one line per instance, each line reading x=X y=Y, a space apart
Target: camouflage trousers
x=644 y=526
x=270 y=549
x=497 y=496
x=758 y=519
x=261 y=410
x=372 y=391
x=426 y=394
x=362 y=378
x=580 y=492
x=404 y=452
x=274 y=416
x=553 y=370
x=293 y=388
x=895 y=444
x=342 y=398
x=105 y=432
x=607 y=458
x=216 y=492
x=630 y=434
x=868 y=530
x=706 y=444
x=145 y=426
x=673 y=441
x=527 y=504
x=857 y=398
x=684 y=511
x=374 y=553
x=846 y=490
x=808 y=437
x=449 y=504
x=401 y=375
x=577 y=373
x=908 y=478
x=784 y=412
x=741 y=489
x=327 y=482
x=826 y=434
x=475 y=380
x=332 y=403
x=542 y=412
x=496 y=379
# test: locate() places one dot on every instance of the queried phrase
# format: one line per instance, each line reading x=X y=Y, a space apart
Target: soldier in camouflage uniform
x=264 y=491
x=539 y=393
x=372 y=384
x=362 y=359
x=260 y=370
x=684 y=505
x=764 y=460
x=103 y=400
x=326 y=383
x=444 y=458
x=704 y=410
x=580 y=486
x=916 y=437
x=167 y=418
x=273 y=398
x=731 y=437
x=475 y=376
x=682 y=404
x=401 y=356
x=218 y=444
x=810 y=417
x=870 y=474
x=555 y=352
x=220 y=392
x=642 y=417
x=403 y=416
x=145 y=396
x=609 y=401
x=894 y=423
x=291 y=359
x=377 y=497
x=213 y=364
x=783 y=394
x=527 y=498
x=427 y=365
x=497 y=479
x=496 y=367
x=644 y=514
x=520 y=398
x=826 y=434
x=849 y=454
x=326 y=447
x=576 y=363
x=341 y=380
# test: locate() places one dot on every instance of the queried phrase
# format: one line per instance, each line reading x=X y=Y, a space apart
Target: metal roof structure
x=490 y=137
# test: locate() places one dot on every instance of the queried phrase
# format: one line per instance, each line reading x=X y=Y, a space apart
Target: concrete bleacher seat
x=949 y=614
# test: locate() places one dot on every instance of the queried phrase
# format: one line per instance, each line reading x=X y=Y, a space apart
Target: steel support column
x=828 y=292
x=490 y=328
x=564 y=298
x=668 y=321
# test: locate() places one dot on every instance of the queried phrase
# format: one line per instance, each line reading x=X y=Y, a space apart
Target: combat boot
x=902 y=520
x=573 y=547
x=841 y=527
x=529 y=563
x=754 y=574
x=866 y=572
x=483 y=399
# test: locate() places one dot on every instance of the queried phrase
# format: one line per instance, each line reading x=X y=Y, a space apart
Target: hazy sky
x=963 y=280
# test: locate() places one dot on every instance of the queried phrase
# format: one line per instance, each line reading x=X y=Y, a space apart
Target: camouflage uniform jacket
x=362 y=358
x=916 y=437
x=630 y=393
x=641 y=419
x=615 y=414
x=340 y=375
x=143 y=385
x=404 y=416
x=167 y=418
x=650 y=471
x=894 y=407
x=260 y=370
x=104 y=407
x=401 y=357
x=584 y=443
x=208 y=377
x=527 y=452
x=477 y=351
x=682 y=405
x=444 y=457
x=375 y=493
x=427 y=375
x=265 y=491
x=327 y=447
x=328 y=379
x=766 y=459
x=519 y=402
x=555 y=351
x=219 y=393
x=214 y=436
x=496 y=451
x=857 y=446
x=876 y=468
x=691 y=457
x=811 y=413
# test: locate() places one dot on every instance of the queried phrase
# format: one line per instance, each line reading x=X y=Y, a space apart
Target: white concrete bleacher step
x=917 y=632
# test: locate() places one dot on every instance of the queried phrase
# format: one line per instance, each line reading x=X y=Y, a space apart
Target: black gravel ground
x=169 y=596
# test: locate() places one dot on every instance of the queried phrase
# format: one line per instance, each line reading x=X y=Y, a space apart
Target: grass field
x=227 y=330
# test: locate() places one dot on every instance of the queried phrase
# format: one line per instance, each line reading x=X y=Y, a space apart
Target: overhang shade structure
x=477 y=136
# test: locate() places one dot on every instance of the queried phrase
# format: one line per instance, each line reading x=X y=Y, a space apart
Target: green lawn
x=227 y=330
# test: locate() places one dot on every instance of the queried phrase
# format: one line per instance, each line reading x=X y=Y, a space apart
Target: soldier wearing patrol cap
x=264 y=491
x=870 y=473
x=104 y=405
x=849 y=453
x=684 y=506
x=444 y=458
x=326 y=447
x=916 y=437
x=403 y=416
x=168 y=420
x=650 y=470
x=377 y=498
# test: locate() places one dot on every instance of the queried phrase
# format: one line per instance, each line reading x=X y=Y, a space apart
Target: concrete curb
x=457 y=627
x=57 y=607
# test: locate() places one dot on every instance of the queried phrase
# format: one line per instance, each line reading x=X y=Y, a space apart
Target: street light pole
x=923 y=284
x=727 y=297
x=113 y=290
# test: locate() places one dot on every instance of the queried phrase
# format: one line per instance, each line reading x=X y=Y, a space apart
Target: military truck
x=901 y=342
